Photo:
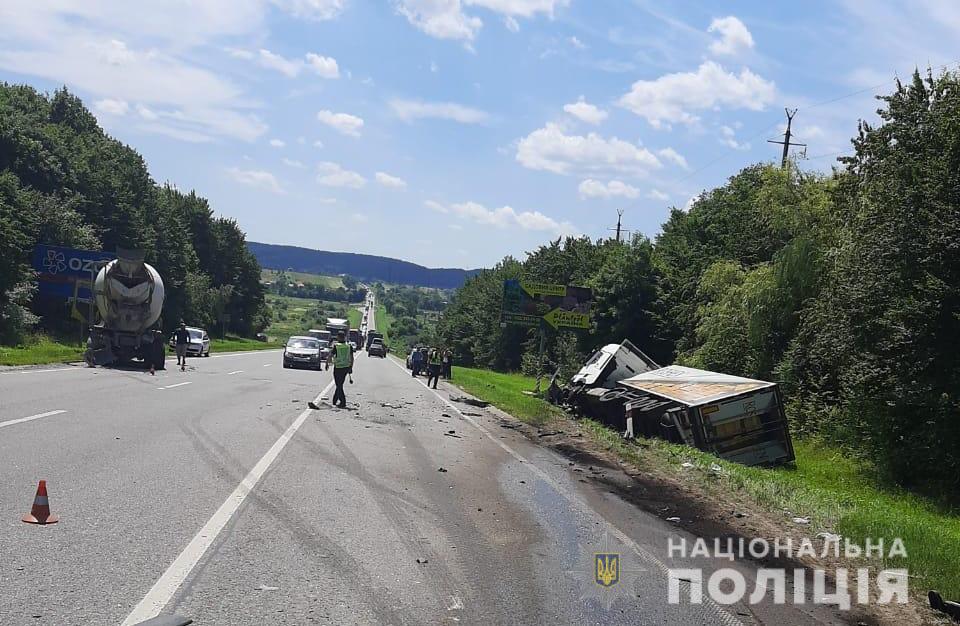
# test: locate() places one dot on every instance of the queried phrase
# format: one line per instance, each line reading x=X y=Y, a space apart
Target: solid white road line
x=59 y=369
x=724 y=617
x=171 y=580
x=189 y=382
x=31 y=418
x=268 y=364
x=234 y=372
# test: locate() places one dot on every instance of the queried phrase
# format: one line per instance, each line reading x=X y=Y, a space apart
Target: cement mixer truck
x=129 y=298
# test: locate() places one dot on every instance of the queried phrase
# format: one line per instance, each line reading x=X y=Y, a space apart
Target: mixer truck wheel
x=159 y=355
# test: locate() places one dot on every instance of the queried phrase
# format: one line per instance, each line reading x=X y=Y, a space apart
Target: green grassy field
x=241 y=344
x=329 y=281
x=39 y=350
x=837 y=493
x=383 y=321
x=353 y=315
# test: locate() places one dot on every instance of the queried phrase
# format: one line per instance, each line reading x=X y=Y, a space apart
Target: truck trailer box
x=738 y=419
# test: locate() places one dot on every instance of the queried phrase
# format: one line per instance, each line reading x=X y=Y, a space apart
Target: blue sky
x=454 y=132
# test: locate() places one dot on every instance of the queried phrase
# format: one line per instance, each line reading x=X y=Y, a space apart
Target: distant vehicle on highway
x=322 y=335
x=376 y=348
x=199 y=344
x=302 y=352
x=371 y=335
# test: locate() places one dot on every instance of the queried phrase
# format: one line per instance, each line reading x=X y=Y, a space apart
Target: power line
x=619 y=228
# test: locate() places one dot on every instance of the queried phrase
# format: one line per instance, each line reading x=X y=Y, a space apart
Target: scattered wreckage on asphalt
x=738 y=419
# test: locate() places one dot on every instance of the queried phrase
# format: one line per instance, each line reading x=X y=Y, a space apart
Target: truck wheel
x=159 y=355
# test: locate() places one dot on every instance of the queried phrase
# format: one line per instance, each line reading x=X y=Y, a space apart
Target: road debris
x=441 y=469
x=451 y=434
x=470 y=401
x=801 y=520
x=267 y=588
x=422 y=561
x=675 y=520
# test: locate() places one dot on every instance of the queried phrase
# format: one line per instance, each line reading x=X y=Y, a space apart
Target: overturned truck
x=736 y=418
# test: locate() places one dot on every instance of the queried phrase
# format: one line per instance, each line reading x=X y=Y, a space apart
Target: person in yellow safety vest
x=342 y=358
x=435 y=364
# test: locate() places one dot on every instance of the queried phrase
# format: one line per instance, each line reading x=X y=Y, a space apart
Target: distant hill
x=361 y=266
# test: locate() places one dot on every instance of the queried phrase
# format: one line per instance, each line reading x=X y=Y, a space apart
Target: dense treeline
x=63 y=181
x=845 y=287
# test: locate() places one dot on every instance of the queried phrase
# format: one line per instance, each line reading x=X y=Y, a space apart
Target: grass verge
x=383 y=321
x=241 y=344
x=505 y=391
x=837 y=493
x=353 y=316
x=40 y=350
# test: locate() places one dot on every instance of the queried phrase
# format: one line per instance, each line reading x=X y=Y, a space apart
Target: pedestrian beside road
x=416 y=361
x=342 y=358
x=447 y=364
x=435 y=365
x=182 y=339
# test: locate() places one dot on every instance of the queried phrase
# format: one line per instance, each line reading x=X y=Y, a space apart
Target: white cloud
x=734 y=36
x=409 y=110
x=656 y=194
x=277 y=143
x=109 y=106
x=443 y=19
x=146 y=113
x=288 y=67
x=199 y=103
x=325 y=67
x=585 y=112
x=312 y=9
x=550 y=149
x=729 y=139
x=390 y=181
x=596 y=189
x=325 y=200
x=673 y=97
x=576 y=43
x=293 y=163
x=332 y=174
x=341 y=122
x=317 y=144
x=506 y=217
x=669 y=154
x=434 y=67
x=360 y=218
x=255 y=178
x=520 y=8
x=433 y=205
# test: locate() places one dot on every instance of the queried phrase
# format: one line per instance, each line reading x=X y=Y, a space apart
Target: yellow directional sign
x=546 y=289
x=567 y=319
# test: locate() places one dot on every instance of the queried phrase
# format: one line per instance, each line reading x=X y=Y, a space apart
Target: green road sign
x=519 y=319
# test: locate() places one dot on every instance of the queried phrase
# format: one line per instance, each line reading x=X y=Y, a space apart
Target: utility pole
x=786 y=138
x=619 y=228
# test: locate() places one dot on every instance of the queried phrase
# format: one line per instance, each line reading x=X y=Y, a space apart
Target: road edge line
x=725 y=617
x=30 y=418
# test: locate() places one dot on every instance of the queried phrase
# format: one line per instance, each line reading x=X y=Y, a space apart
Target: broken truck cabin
x=738 y=419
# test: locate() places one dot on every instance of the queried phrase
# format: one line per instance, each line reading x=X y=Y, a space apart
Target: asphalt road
x=217 y=495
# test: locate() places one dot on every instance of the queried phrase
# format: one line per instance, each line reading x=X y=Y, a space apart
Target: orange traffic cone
x=40 y=513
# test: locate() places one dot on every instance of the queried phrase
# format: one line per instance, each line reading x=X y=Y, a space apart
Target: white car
x=302 y=352
x=197 y=345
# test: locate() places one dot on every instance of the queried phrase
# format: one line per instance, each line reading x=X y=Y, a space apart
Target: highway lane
x=353 y=522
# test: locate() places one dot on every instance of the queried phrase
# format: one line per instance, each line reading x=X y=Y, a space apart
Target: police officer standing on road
x=342 y=358
x=182 y=338
x=433 y=367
